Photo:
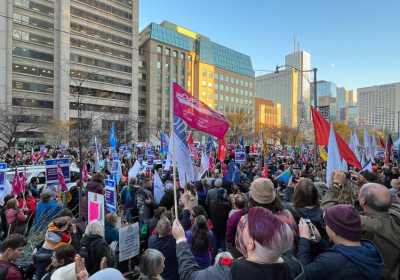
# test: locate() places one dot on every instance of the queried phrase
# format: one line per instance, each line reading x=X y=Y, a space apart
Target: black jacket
x=129 y=207
x=315 y=215
x=219 y=213
x=189 y=269
x=167 y=200
x=288 y=194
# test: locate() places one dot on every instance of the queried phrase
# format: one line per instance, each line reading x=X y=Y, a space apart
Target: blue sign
x=3 y=169
x=240 y=156
x=52 y=171
x=121 y=152
x=111 y=198
x=42 y=148
x=140 y=159
x=150 y=160
x=387 y=86
x=165 y=170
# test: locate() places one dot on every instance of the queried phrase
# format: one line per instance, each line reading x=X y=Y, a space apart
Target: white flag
x=374 y=145
x=158 y=188
x=367 y=166
x=334 y=161
x=203 y=166
x=344 y=165
x=368 y=145
x=356 y=144
x=134 y=170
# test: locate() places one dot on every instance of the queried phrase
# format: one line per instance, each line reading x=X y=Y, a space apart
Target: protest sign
x=121 y=152
x=192 y=157
x=129 y=243
x=165 y=167
x=98 y=198
x=239 y=156
x=134 y=170
x=150 y=160
x=111 y=198
x=140 y=160
x=94 y=211
x=114 y=167
x=3 y=169
x=52 y=172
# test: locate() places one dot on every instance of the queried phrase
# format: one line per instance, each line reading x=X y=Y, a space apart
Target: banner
x=165 y=167
x=114 y=168
x=3 y=169
x=192 y=157
x=197 y=114
x=121 y=152
x=129 y=242
x=240 y=156
x=52 y=171
x=150 y=160
x=111 y=198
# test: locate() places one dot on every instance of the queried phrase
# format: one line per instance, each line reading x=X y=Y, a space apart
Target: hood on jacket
x=315 y=215
x=366 y=257
x=220 y=203
x=93 y=186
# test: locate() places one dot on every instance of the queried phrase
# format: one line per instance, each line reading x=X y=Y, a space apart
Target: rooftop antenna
x=298 y=44
x=294 y=45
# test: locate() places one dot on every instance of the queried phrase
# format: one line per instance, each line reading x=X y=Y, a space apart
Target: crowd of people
x=258 y=228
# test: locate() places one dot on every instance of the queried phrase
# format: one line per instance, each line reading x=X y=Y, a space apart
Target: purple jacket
x=202 y=255
x=231 y=225
x=95 y=187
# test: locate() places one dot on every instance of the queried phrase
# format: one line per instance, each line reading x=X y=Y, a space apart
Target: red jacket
x=12 y=273
x=30 y=204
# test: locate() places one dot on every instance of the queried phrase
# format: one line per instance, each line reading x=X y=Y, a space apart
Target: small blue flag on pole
x=241 y=141
x=113 y=138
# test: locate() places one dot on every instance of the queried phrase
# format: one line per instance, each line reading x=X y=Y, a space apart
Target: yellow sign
x=68 y=199
x=323 y=151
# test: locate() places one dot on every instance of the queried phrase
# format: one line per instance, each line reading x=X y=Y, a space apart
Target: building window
x=167 y=51
x=237 y=91
x=237 y=81
x=189 y=57
x=204 y=73
x=159 y=113
x=237 y=100
x=227 y=89
x=227 y=79
x=174 y=79
x=215 y=107
x=232 y=90
x=251 y=85
x=158 y=89
x=226 y=108
x=166 y=78
x=226 y=98
x=175 y=54
x=221 y=97
x=237 y=109
x=221 y=77
x=245 y=93
x=182 y=70
x=245 y=102
x=182 y=82
x=167 y=113
x=209 y=85
x=246 y=110
x=204 y=83
x=216 y=76
x=251 y=111
x=241 y=92
x=158 y=100
x=166 y=67
x=221 y=87
x=250 y=94
x=158 y=65
x=159 y=77
x=232 y=109
x=204 y=94
x=209 y=95
x=232 y=80
x=175 y=69
x=250 y=103
x=159 y=49
x=216 y=96
x=241 y=82
x=246 y=84
x=241 y=101
x=232 y=99
x=210 y=74
x=216 y=86
x=182 y=56
x=221 y=107
x=166 y=91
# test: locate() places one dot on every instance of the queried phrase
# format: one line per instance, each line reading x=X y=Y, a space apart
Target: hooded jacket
x=55 y=237
x=167 y=200
x=94 y=187
x=219 y=214
x=340 y=262
x=315 y=215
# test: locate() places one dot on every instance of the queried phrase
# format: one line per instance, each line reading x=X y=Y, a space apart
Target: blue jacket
x=45 y=212
x=340 y=262
x=111 y=234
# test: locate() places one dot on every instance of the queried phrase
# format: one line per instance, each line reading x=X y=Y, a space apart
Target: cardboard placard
x=129 y=242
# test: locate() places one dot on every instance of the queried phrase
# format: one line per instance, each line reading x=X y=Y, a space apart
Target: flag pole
x=173 y=147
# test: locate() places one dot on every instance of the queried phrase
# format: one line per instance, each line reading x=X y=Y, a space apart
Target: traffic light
x=382 y=136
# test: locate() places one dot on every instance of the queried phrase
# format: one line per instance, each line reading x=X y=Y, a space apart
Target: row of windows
x=101 y=78
x=233 y=109
x=142 y=88
x=101 y=20
x=99 y=108
x=125 y=2
x=167 y=80
x=99 y=48
x=227 y=98
x=32 y=37
x=232 y=90
x=100 y=63
x=34 y=6
x=227 y=79
x=174 y=53
x=44 y=104
x=33 y=21
x=141 y=113
x=174 y=68
x=33 y=54
x=31 y=70
x=32 y=86
x=31 y=119
x=100 y=93
x=100 y=34
x=108 y=8
x=166 y=113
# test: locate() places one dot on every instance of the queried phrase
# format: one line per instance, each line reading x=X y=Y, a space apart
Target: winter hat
x=221 y=192
x=262 y=191
x=218 y=183
x=168 y=186
x=65 y=273
x=344 y=221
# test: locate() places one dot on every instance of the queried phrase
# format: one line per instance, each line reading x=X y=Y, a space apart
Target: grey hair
x=95 y=227
x=46 y=196
x=132 y=181
x=109 y=219
x=223 y=255
x=372 y=201
x=151 y=260
x=163 y=226
x=280 y=243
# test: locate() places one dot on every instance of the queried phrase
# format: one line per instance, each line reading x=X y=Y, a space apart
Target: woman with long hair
x=151 y=265
x=235 y=191
x=189 y=188
x=199 y=238
x=14 y=214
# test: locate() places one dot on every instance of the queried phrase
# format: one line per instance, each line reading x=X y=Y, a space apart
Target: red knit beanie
x=344 y=221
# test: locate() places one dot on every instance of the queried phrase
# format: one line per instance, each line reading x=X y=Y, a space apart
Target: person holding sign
x=96 y=185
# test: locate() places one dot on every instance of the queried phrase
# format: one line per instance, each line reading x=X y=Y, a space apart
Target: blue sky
x=361 y=38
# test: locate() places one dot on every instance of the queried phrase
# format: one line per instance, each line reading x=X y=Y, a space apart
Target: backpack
x=87 y=252
x=4 y=270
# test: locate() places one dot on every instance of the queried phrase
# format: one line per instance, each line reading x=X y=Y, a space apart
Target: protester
x=16 y=219
x=350 y=258
x=395 y=184
x=167 y=200
x=231 y=227
x=145 y=203
x=11 y=249
x=33 y=187
x=157 y=215
x=73 y=204
x=151 y=265
x=235 y=191
x=189 y=189
x=95 y=185
x=63 y=262
x=30 y=203
x=201 y=193
x=111 y=232
x=46 y=210
x=212 y=194
x=4 y=225
x=199 y=211
x=265 y=252
x=199 y=238
x=289 y=191
x=128 y=198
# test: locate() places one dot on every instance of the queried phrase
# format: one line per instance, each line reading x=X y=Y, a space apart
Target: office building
x=378 y=106
x=346 y=97
x=301 y=60
x=349 y=116
x=216 y=75
x=326 y=92
x=267 y=112
x=51 y=48
x=281 y=88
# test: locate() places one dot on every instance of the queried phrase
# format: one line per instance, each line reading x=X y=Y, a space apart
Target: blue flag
x=241 y=141
x=113 y=138
x=164 y=145
x=233 y=174
x=209 y=144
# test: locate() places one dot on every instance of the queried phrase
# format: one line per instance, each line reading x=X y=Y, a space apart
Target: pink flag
x=33 y=156
x=197 y=114
x=23 y=179
x=210 y=163
x=15 y=184
x=58 y=155
x=84 y=172
x=61 y=178
x=42 y=153
x=224 y=168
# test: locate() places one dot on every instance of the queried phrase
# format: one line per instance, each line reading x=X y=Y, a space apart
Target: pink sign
x=94 y=210
x=197 y=114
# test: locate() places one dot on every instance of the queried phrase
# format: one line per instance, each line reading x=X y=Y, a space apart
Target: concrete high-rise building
x=267 y=112
x=378 y=106
x=216 y=75
x=301 y=60
x=281 y=88
x=47 y=46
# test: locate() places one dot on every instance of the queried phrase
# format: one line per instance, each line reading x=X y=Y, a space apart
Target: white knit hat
x=65 y=273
